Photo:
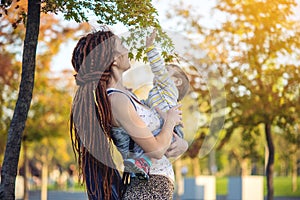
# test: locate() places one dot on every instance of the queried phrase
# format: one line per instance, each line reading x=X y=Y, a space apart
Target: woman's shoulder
x=123 y=98
x=119 y=98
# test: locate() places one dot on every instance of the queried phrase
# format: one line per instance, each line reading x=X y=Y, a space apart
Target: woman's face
x=121 y=58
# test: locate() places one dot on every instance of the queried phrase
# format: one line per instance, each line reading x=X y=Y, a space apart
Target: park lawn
x=282 y=186
x=221 y=185
x=76 y=188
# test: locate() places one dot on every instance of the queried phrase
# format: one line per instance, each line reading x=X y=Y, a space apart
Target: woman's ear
x=178 y=82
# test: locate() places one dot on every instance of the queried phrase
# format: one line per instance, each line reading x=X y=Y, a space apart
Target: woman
x=100 y=60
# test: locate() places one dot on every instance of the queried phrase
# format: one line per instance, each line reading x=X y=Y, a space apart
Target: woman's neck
x=117 y=85
x=116 y=81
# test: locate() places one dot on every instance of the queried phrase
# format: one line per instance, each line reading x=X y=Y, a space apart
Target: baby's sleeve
x=161 y=75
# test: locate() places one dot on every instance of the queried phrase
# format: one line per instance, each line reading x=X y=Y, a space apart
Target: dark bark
x=13 y=145
x=270 y=164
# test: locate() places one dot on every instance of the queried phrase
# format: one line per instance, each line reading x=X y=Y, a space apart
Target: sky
x=63 y=59
x=203 y=7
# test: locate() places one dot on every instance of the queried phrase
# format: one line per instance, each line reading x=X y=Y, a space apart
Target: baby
x=170 y=85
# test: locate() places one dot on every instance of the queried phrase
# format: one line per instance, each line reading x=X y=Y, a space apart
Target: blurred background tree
x=256 y=48
x=30 y=15
x=46 y=120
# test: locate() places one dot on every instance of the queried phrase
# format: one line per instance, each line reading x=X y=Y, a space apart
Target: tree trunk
x=13 y=145
x=294 y=172
x=196 y=166
x=244 y=167
x=44 y=177
x=179 y=179
x=270 y=164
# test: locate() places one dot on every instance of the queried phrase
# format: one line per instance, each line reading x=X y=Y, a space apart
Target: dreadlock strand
x=87 y=163
x=104 y=114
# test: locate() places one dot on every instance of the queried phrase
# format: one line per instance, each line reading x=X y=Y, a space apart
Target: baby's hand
x=150 y=39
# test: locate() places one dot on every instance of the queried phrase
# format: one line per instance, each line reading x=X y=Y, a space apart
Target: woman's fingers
x=175 y=136
x=179 y=114
x=160 y=112
x=177 y=106
x=174 y=114
x=178 y=147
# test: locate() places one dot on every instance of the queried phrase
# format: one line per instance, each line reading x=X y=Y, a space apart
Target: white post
x=19 y=189
x=245 y=188
x=200 y=188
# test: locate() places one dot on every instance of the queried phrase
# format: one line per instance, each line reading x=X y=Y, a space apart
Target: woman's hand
x=150 y=39
x=173 y=115
x=177 y=148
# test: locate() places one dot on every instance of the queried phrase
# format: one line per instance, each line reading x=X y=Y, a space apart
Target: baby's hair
x=180 y=74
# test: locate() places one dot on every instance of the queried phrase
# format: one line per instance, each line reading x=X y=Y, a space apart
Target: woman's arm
x=177 y=148
x=125 y=115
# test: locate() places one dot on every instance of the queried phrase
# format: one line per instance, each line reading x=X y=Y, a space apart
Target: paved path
x=275 y=198
x=61 y=195
x=58 y=195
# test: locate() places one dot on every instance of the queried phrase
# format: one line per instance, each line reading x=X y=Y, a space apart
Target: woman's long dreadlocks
x=92 y=60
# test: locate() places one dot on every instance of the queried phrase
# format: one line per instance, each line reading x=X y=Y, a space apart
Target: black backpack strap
x=126 y=175
x=131 y=145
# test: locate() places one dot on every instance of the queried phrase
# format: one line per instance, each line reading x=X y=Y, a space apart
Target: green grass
x=282 y=186
x=221 y=186
x=76 y=188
